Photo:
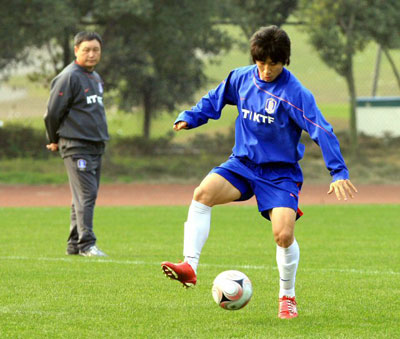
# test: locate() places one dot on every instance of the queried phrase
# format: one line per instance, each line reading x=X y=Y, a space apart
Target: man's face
x=88 y=54
x=269 y=70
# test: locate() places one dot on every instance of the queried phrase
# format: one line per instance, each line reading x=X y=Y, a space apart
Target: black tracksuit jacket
x=75 y=116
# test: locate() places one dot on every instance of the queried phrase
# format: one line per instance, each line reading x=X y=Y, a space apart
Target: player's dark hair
x=87 y=36
x=270 y=42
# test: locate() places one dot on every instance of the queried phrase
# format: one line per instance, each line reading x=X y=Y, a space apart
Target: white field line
x=13 y=310
x=242 y=267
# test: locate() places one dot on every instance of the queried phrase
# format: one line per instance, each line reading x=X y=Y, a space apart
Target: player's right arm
x=209 y=107
x=180 y=125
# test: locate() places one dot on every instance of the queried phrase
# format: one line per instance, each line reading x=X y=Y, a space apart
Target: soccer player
x=273 y=110
x=76 y=126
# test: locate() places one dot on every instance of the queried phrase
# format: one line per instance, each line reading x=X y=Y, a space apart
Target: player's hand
x=180 y=125
x=342 y=189
x=52 y=147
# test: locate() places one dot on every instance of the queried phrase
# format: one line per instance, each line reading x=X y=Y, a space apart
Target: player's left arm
x=310 y=119
x=343 y=189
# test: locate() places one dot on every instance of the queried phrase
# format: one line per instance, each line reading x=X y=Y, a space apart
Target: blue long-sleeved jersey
x=271 y=118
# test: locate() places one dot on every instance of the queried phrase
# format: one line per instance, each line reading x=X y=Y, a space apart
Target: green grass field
x=347 y=283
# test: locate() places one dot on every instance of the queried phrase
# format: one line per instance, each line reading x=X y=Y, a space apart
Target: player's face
x=269 y=70
x=88 y=54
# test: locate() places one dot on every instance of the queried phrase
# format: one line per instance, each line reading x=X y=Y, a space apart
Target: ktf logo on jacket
x=270 y=105
x=92 y=99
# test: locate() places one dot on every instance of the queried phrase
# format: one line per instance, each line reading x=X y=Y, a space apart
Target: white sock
x=287 y=260
x=197 y=228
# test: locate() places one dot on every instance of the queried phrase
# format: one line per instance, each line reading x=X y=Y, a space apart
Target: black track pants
x=84 y=178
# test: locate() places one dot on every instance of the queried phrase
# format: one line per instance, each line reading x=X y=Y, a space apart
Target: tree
x=13 y=35
x=337 y=31
x=45 y=24
x=154 y=51
x=383 y=26
x=250 y=15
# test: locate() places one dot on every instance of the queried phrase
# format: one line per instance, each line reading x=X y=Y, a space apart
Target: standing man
x=76 y=126
x=273 y=110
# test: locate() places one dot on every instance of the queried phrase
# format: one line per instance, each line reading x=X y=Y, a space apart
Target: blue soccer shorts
x=274 y=185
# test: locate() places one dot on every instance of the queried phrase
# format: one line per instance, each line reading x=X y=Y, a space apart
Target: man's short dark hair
x=270 y=42
x=87 y=36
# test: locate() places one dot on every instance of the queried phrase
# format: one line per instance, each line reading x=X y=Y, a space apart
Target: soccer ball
x=232 y=290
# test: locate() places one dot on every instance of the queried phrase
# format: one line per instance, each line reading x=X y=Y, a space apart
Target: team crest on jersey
x=81 y=163
x=270 y=105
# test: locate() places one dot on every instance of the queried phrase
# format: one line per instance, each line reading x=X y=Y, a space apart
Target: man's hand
x=52 y=147
x=342 y=189
x=180 y=125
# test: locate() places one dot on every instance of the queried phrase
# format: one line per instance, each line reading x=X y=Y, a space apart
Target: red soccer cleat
x=287 y=308
x=182 y=272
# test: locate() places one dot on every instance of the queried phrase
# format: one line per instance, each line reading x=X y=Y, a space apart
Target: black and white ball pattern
x=232 y=290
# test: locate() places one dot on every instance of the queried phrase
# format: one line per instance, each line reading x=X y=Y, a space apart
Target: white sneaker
x=93 y=251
